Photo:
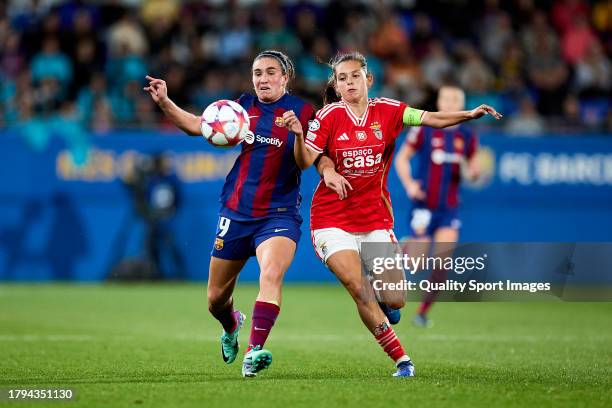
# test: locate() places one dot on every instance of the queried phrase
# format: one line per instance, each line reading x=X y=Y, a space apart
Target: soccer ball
x=224 y=123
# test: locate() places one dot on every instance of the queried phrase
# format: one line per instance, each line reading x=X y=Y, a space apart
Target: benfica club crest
x=376 y=129
x=361 y=135
x=218 y=244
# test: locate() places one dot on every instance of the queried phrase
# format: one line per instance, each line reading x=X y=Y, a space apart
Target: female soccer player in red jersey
x=259 y=204
x=435 y=188
x=359 y=134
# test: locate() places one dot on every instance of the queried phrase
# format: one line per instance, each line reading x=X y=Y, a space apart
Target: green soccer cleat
x=256 y=360
x=229 y=341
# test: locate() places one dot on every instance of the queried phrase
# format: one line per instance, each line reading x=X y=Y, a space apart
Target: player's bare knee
x=215 y=299
x=271 y=276
x=396 y=303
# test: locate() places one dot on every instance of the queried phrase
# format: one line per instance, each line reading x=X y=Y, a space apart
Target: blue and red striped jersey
x=440 y=153
x=265 y=179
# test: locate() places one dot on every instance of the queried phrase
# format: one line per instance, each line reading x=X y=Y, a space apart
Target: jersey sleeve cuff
x=312 y=146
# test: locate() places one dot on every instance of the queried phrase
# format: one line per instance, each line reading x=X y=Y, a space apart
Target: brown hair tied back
x=329 y=94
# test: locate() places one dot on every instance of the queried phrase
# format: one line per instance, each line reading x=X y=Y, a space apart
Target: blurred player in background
x=259 y=204
x=359 y=136
x=434 y=190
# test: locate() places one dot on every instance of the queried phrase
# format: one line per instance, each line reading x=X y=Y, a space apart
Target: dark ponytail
x=329 y=94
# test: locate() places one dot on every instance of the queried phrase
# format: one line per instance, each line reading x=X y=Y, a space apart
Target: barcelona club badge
x=218 y=244
x=278 y=121
x=459 y=144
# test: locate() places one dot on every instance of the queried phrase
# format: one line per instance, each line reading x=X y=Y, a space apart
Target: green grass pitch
x=157 y=346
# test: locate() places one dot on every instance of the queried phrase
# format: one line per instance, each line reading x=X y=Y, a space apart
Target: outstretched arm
x=444 y=119
x=187 y=122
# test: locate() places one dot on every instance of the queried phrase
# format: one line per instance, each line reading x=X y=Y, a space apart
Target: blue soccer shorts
x=424 y=222
x=236 y=240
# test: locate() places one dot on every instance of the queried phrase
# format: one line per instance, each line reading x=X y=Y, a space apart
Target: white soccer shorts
x=328 y=241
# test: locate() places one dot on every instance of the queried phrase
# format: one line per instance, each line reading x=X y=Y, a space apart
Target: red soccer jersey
x=362 y=149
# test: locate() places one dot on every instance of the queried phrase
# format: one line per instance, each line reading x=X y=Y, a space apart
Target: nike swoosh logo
x=257 y=328
x=251 y=117
x=281 y=229
x=225 y=358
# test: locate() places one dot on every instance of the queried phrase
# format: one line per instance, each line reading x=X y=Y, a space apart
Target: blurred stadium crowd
x=544 y=64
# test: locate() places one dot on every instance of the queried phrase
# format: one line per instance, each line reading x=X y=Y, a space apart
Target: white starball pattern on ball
x=224 y=123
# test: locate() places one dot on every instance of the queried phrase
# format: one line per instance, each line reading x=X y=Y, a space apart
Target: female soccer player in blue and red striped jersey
x=358 y=134
x=435 y=188
x=259 y=204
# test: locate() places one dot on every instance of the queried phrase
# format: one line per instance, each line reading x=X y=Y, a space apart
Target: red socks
x=389 y=341
x=264 y=316
x=227 y=318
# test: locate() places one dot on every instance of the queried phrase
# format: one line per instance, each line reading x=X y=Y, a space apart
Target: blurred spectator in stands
x=145 y=114
x=47 y=97
x=102 y=117
x=25 y=15
x=17 y=99
x=124 y=66
x=496 y=38
x=404 y=79
x=593 y=75
x=571 y=120
x=474 y=74
x=357 y=32
x=306 y=27
x=536 y=32
x=548 y=75
x=437 y=66
x=127 y=37
x=276 y=35
x=124 y=101
x=422 y=35
x=154 y=11
x=236 y=39
x=161 y=29
x=175 y=81
x=86 y=50
x=313 y=72
x=527 y=121
x=389 y=40
x=52 y=64
x=12 y=59
x=211 y=88
x=602 y=17
x=477 y=78
x=564 y=13
x=85 y=64
x=83 y=28
x=89 y=96
x=577 y=39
